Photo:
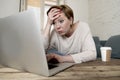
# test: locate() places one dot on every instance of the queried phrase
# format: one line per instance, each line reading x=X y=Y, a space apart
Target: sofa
x=113 y=42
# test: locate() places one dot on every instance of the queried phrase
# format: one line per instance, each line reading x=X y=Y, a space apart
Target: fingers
x=56 y=16
x=54 y=13
x=56 y=56
x=50 y=56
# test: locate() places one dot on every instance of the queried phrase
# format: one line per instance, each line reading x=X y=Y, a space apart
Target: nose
x=58 y=26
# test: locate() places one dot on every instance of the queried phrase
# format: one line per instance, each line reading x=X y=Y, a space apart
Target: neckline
x=75 y=30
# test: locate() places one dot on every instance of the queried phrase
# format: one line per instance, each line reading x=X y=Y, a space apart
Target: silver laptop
x=21 y=45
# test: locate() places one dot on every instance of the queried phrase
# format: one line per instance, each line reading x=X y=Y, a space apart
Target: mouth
x=60 y=32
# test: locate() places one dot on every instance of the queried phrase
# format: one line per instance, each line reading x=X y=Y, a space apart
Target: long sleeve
x=88 y=50
x=49 y=40
x=45 y=41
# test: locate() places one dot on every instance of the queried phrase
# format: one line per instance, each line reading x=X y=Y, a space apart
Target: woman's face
x=62 y=24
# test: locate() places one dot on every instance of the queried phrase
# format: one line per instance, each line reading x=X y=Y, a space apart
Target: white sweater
x=79 y=45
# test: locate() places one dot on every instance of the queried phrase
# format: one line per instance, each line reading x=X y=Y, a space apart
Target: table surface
x=93 y=70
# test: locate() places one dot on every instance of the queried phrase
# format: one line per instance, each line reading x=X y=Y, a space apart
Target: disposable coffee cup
x=106 y=53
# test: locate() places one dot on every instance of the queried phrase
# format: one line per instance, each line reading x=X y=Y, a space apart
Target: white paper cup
x=106 y=53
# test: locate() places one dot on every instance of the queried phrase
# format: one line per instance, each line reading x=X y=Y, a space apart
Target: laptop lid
x=21 y=44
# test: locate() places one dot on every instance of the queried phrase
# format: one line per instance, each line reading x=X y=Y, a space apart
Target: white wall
x=80 y=9
x=105 y=17
x=8 y=7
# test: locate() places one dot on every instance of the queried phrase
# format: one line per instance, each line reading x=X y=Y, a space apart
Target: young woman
x=72 y=40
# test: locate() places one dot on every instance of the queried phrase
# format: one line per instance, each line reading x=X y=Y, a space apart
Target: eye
x=61 y=21
x=54 y=22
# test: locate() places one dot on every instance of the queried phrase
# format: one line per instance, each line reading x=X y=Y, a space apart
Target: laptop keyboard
x=52 y=63
x=51 y=66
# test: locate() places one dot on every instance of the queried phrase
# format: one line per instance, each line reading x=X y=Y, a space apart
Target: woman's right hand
x=52 y=15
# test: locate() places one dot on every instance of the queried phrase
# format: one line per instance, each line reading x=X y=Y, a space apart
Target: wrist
x=49 y=22
x=64 y=58
x=67 y=58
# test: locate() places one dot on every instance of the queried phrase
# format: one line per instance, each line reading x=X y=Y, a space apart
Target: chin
x=62 y=34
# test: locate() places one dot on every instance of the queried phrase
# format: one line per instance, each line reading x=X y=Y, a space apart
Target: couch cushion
x=114 y=42
x=98 y=45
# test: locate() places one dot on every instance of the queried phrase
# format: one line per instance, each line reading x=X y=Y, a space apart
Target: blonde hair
x=65 y=9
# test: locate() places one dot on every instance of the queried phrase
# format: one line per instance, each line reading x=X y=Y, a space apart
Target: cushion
x=114 y=43
x=98 y=45
x=102 y=42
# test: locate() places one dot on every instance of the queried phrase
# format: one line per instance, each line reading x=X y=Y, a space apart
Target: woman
x=73 y=40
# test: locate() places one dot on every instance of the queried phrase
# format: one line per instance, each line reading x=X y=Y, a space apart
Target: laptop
x=21 y=45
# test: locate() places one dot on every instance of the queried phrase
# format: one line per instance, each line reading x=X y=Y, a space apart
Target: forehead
x=62 y=16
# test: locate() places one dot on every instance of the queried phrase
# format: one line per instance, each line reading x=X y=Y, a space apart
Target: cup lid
x=106 y=48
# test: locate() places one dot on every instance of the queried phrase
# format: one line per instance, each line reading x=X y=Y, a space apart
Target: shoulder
x=83 y=26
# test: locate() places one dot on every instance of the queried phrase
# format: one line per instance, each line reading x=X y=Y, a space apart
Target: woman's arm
x=46 y=31
x=88 y=52
x=52 y=15
x=66 y=58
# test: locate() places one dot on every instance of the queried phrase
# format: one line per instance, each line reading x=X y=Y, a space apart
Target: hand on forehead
x=56 y=12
